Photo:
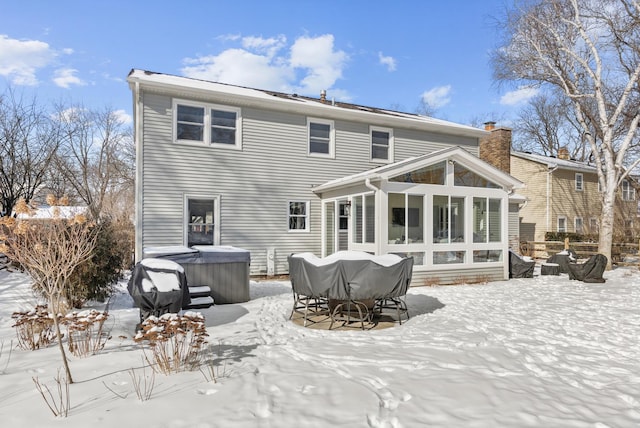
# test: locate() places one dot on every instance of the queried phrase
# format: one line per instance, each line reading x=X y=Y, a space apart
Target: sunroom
x=448 y=209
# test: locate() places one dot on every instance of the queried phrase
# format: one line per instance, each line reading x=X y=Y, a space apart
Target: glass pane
x=297 y=208
x=199 y=235
x=223 y=118
x=467 y=178
x=418 y=258
x=319 y=130
x=378 y=152
x=330 y=231
x=370 y=224
x=495 y=223
x=201 y=221
x=415 y=222
x=448 y=257
x=223 y=136
x=344 y=217
x=483 y=256
x=380 y=138
x=191 y=114
x=397 y=221
x=479 y=220
x=457 y=219
x=189 y=132
x=318 y=146
x=356 y=208
x=432 y=174
x=440 y=218
x=201 y=210
x=297 y=223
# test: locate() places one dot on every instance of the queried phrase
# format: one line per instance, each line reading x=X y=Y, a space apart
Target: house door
x=336 y=227
x=202 y=221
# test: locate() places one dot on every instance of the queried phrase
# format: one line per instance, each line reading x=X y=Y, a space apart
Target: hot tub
x=224 y=269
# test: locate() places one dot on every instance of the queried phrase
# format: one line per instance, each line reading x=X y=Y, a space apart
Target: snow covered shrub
x=34 y=328
x=176 y=341
x=85 y=335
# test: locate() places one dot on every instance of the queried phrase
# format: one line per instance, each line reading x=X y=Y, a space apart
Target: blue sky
x=376 y=53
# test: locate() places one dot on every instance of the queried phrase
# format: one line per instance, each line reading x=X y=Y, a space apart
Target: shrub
x=34 y=328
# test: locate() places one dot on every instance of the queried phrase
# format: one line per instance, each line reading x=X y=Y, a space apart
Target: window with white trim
x=201 y=217
x=298 y=216
x=209 y=124
x=578 y=225
x=628 y=192
x=593 y=225
x=321 y=137
x=579 y=182
x=381 y=144
x=562 y=224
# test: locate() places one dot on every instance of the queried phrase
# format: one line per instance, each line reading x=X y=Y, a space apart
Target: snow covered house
x=278 y=173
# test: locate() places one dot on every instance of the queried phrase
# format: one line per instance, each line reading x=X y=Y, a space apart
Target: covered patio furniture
x=589 y=271
x=519 y=267
x=158 y=286
x=563 y=259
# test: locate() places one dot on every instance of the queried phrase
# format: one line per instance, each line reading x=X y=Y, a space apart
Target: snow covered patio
x=534 y=352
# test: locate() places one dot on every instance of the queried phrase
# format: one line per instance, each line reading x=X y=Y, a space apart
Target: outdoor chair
x=590 y=271
x=519 y=267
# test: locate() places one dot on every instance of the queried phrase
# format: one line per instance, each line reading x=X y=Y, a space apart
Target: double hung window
x=381 y=144
x=298 y=216
x=321 y=138
x=214 y=125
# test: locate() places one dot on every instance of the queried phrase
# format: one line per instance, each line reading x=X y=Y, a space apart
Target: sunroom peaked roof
x=456 y=154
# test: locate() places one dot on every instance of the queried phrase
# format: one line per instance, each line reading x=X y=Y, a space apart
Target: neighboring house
x=563 y=196
x=278 y=173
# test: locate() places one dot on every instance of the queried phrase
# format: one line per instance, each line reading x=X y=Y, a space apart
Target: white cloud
x=21 y=59
x=310 y=65
x=123 y=117
x=518 y=96
x=389 y=61
x=65 y=77
x=437 y=97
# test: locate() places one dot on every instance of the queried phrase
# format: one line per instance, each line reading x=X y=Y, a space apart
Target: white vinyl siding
x=321 y=138
x=207 y=124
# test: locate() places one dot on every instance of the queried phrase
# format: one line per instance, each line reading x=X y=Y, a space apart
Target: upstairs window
x=381 y=144
x=628 y=192
x=213 y=125
x=321 y=138
x=579 y=182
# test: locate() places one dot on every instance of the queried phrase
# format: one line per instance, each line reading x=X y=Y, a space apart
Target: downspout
x=552 y=168
x=137 y=136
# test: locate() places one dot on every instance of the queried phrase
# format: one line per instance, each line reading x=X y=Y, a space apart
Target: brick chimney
x=563 y=153
x=495 y=148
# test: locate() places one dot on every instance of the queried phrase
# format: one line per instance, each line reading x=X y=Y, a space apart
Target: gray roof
x=552 y=162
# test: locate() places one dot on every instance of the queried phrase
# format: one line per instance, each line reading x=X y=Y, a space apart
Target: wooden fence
x=620 y=252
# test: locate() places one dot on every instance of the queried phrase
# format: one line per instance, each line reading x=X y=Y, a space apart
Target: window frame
x=577 y=220
x=558 y=224
x=579 y=184
x=207 y=123
x=628 y=194
x=331 y=142
x=215 y=198
x=390 y=147
x=306 y=216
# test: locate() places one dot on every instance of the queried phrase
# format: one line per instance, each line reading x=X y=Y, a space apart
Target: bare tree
x=49 y=250
x=28 y=142
x=548 y=124
x=589 y=50
x=94 y=156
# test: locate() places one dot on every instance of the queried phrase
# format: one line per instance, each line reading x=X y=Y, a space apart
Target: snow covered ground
x=541 y=352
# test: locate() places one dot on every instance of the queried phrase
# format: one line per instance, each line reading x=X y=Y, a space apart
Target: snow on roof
x=297 y=102
x=552 y=162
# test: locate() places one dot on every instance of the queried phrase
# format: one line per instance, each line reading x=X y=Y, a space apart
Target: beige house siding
x=534 y=212
x=570 y=203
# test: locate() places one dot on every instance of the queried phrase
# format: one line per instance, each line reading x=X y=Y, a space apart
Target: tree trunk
x=605 y=240
x=54 y=305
